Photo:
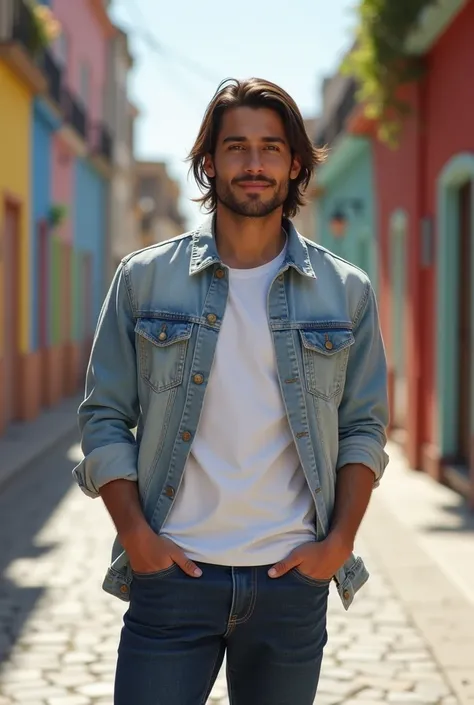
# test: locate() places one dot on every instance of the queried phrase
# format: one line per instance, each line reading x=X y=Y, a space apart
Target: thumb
x=185 y=563
x=282 y=567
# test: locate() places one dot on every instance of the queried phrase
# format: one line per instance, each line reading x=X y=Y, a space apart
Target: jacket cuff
x=117 y=461
x=361 y=449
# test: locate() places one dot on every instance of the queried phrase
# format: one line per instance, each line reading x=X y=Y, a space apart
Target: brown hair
x=255 y=93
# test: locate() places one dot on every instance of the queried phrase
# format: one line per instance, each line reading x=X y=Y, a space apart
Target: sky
x=191 y=46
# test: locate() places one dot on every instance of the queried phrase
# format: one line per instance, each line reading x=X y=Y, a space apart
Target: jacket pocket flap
x=163 y=333
x=327 y=342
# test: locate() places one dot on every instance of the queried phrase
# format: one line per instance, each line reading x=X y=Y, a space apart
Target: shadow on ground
x=27 y=501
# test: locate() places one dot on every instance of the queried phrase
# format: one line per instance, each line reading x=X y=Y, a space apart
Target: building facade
x=157 y=202
x=426 y=223
x=56 y=166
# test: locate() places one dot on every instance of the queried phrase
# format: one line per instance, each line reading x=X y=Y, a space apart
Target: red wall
x=441 y=126
x=449 y=125
x=397 y=181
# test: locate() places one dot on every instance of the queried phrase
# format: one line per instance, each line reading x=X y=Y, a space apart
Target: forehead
x=251 y=123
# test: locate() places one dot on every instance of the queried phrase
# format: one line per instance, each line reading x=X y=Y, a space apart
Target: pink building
x=80 y=59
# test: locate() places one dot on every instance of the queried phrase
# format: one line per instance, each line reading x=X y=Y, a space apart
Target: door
x=398 y=277
x=464 y=324
x=43 y=307
x=11 y=324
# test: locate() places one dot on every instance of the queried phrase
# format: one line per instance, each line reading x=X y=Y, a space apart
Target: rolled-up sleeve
x=110 y=408
x=363 y=411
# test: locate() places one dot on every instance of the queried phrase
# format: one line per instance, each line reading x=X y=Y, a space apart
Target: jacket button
x=186 y=436
x=211 y=318
x=220 y=273
x=346 y=594
x=198 y=379
x=169 y=491
x=162 y=336
x=124 y=589
x=328 y=345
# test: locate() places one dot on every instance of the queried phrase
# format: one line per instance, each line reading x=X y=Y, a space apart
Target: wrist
x=136 y=536
x=341 y=542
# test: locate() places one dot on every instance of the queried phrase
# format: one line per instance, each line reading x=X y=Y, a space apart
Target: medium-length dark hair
x=254 y=93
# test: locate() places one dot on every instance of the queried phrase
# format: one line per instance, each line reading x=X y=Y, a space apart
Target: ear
x=295 y=167
x=209 y=166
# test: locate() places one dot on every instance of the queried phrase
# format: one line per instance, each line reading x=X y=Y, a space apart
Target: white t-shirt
x=243 y=498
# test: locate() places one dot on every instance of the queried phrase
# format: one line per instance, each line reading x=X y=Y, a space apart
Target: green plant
x=46 y=27
x=380 y=63
x=57 y=214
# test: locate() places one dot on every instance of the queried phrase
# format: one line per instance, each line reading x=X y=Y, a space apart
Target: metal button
x=198 y=379
x=169 y=491
x=211 y=318
x=186 y=436
x=281 y=277
x=346 y=594
x=220 y=273
x=328 y=345
x=124 y=589
x=162 y=336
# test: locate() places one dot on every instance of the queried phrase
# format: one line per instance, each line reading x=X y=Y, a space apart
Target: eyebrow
x=239 y=138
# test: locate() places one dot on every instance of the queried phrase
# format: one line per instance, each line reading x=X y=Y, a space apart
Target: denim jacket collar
x=204 y=250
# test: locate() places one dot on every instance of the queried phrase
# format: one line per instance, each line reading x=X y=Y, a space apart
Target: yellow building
x=20 y=79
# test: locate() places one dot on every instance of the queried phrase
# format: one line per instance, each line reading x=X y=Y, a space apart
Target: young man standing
x=251 y=362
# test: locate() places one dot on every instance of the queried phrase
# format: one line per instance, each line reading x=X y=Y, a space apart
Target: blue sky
x=294 y=44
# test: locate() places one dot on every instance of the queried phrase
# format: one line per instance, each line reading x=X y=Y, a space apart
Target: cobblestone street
x=59 y=631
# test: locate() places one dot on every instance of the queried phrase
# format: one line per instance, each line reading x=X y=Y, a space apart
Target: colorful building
x=56 y=163
x=426 y=224
x=420 y=198
x=20 y=80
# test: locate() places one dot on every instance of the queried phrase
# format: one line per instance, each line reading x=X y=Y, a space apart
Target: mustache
x=255 y=179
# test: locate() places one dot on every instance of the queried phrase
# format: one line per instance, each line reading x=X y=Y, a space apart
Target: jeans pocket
x=308 y=580
x=156 y=574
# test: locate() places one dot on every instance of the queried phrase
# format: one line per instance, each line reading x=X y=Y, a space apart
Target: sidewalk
x=25 y=442
x=421 y=537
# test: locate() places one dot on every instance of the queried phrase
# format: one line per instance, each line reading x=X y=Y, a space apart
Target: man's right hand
x=150 y=553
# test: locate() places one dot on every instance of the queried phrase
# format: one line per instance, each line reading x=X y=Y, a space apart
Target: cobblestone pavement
x=59 y=631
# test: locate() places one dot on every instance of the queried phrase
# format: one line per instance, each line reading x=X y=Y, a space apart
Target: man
x=251 y=362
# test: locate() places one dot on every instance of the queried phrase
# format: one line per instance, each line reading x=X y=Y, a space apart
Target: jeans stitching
x=253 y=600
x=309 y=581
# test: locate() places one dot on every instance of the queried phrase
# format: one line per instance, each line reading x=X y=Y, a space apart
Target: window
x=61 y=49
x=85 y=83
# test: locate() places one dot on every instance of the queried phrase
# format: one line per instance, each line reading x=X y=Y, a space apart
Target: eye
x=236 y=147
x=272 y=147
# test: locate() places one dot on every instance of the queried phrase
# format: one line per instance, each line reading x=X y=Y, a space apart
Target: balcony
x=53 y=73
x=74 y=113
x=20 y=43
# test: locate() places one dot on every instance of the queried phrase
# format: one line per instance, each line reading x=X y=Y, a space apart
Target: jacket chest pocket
x=162 y=347
x=325 y=353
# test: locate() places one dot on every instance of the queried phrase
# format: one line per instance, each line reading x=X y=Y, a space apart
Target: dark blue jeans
x=177 y=629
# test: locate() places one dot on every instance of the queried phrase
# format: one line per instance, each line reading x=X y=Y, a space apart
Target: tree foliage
x=380 y=62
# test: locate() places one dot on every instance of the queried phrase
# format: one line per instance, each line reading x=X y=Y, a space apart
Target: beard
x=251 y=205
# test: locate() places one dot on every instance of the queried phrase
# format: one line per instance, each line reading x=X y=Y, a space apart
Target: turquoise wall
x=348 y=174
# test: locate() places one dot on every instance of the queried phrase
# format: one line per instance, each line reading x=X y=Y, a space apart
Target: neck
x=244 y=243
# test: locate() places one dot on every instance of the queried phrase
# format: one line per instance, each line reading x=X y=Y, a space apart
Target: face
x=252 y=164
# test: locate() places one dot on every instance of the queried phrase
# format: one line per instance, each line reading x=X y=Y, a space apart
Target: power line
x=157 y=46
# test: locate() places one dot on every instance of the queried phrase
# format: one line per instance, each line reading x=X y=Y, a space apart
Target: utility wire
x=157 y=46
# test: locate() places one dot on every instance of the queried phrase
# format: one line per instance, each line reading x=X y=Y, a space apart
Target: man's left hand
x=319 y=561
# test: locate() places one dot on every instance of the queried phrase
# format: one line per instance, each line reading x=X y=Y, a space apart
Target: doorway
x=465 y=351
x=43 y=307
x=10 y=317
x=398 y=266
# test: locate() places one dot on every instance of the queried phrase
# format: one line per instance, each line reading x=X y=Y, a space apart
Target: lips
x=254 y=185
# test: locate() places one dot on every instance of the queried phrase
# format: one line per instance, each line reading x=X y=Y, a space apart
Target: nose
x=254 y=162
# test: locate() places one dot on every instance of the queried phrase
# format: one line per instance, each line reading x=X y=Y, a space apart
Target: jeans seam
x=208 y=687
x=253 y=600
x=231 y=622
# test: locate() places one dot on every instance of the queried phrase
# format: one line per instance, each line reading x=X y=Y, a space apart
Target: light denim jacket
x=152 y=356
